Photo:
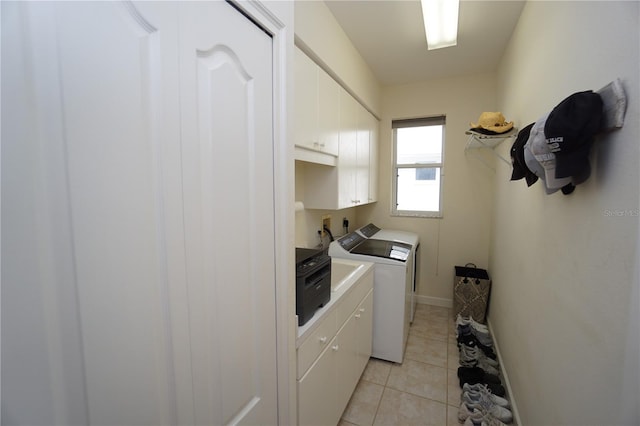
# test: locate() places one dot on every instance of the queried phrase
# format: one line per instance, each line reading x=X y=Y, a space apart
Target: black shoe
x=473 y=375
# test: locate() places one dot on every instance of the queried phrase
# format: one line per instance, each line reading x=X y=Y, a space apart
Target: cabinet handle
x=323 y=339
x=335 y=347
x=361 y=309
x=357 y=315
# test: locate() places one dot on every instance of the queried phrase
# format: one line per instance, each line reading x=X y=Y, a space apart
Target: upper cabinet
x=372 y=127
x=353 y=181
x=337 y=136
x=317 y=113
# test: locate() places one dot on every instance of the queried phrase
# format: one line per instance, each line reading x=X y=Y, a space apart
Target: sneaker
x=473 y=353
x=478 y=418
x=473 y=375
x=484 y=407
x=484 y=338
x=471 y=340
x=482 y=363
x=470 y=392
x=474 y=397
x=460 y=320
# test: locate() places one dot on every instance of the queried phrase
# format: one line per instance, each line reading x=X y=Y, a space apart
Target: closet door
x=89 y=263
x=227 y=143
x=137 y=215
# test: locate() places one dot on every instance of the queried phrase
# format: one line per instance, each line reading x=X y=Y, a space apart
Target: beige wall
x=318 y=34
x=308 y=221
x=564 y=305
x=462 y=235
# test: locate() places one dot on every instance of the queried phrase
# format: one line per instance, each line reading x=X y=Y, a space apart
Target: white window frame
x=416 y=122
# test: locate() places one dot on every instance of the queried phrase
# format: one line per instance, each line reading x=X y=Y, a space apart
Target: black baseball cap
x=520 y=169
x=570 y=131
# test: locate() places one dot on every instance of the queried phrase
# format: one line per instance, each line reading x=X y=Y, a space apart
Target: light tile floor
x=423 y=390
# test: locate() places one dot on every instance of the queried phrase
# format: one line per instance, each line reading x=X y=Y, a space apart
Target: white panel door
x=137 y=215
x=227 y=142
x=94 y=82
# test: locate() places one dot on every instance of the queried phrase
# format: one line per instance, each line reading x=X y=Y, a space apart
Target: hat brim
x=497 y=129
x=574 y=164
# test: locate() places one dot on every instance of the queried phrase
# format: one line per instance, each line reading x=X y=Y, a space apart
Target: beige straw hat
x=493 y=121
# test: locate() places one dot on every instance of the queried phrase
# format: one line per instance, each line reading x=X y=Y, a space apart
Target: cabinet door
x=328 y=113
x=362 y=156
x=364 y=331
x=347 y=160
x=373 y=158
x=317 y=397
x=306 y=101
x=346 y=363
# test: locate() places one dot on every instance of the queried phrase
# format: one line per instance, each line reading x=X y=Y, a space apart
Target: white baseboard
x=505 y=376
x=435 y=301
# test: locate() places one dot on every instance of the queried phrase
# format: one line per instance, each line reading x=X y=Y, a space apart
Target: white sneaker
x=474 y=396
x=479 y=418
x=485 y=406
x=460 y=320
x=474 y=353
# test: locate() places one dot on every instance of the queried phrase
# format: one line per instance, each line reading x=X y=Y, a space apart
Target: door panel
x=228 y=195
x=108 y=87
x=138 y=170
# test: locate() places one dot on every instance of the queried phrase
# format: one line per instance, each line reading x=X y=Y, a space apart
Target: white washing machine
x=392 y=289
x=372 y=231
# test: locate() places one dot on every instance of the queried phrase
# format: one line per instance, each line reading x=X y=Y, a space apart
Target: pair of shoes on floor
x=471 y=340
x=460 y=320
x=478 y=418
x=479 y=410
x=475 y=375
x=474 y=353
x=481 y=363
x=482 y=336
x=473 y=393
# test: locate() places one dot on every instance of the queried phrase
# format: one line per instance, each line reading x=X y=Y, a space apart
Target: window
x=418 y=150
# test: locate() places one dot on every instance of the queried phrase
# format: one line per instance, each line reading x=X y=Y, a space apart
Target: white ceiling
x=389 y=34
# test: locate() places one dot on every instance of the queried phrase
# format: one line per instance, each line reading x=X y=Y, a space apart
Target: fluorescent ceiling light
x=440 y=22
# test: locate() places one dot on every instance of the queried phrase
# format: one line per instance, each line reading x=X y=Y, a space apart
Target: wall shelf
x=479 y=140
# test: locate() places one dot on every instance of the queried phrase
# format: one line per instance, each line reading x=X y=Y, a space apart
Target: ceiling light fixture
x=440 y=22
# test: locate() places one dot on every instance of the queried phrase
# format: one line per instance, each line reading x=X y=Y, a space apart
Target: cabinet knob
x=357 y=315
x=323 y=339
x=361 y=309
x=335 y=347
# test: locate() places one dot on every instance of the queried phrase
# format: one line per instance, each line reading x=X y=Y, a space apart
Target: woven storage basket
x=471 y=289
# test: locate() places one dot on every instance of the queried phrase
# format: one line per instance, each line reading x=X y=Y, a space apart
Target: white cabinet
x=348 y=157
x=326 y=384
x=363 y=148
x=373 y=158
x=354 y=180
x=317 y=111
x=306 y=101
x=328 y=112
x=317 y=397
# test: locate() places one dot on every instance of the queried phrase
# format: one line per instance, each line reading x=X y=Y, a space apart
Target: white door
x=227 y=141
x=137 y=215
